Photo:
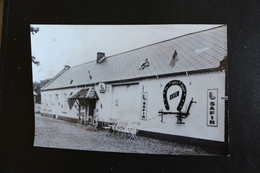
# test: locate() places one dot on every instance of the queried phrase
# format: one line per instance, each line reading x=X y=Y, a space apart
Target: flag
x=144 y=64
x=174 y=59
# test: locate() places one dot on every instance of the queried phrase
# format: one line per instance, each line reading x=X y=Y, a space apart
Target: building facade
x=175 y=88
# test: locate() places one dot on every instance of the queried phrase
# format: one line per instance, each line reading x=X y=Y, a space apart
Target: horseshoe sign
x=172 y=96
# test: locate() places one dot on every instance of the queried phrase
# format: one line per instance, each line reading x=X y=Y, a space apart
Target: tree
x=34 y=61
x=34 y=30
x=44 y=82
x=37 y=88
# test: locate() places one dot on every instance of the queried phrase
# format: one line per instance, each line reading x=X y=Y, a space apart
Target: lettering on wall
x=175 y=94
x=212 y=107
x=144 y=102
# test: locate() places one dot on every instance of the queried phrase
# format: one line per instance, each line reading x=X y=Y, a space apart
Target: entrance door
x=126 y=102
x=90 y=106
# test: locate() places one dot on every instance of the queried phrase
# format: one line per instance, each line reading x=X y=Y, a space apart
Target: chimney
x=100 y=57
x=66 y=67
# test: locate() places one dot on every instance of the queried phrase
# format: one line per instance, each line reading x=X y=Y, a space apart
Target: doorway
x=126 y=102
x=92 y=106
x=90 y=110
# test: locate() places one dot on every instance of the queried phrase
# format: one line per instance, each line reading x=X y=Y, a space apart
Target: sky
x=58 y=45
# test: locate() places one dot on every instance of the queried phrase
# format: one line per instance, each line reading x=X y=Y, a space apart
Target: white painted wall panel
x=104 y=104
x=59 y=106
x=128 y=101
x=196 y=123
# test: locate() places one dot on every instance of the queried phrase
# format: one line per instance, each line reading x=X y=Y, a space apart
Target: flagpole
x=154 y=69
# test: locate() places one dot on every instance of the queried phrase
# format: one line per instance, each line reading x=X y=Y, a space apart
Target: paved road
x=59 y=134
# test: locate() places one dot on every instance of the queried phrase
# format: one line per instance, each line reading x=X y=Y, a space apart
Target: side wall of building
x=197 y=124
x=138 y=105
x=54 y=103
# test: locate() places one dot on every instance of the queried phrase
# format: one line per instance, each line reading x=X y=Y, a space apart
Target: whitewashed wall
x=129 y=106
x=51 y=104
x=104 y=104
x=123 y=104
x=196 y=123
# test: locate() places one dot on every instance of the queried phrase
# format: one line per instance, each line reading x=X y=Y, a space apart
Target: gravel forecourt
x=55 y=133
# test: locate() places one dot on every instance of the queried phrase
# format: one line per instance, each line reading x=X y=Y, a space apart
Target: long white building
x=173 y=90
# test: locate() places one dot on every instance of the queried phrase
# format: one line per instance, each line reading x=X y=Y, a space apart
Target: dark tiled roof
x=196 y=51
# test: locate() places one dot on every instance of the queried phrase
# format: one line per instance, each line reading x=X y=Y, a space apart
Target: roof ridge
x=84 y=63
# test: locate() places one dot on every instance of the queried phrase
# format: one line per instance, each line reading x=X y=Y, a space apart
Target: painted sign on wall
x=102 y=87
x=144 y=102
x=175 y=94
x=212 y=107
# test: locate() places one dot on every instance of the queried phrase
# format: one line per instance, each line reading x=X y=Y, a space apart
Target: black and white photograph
x=129 y=86
x=144 y=89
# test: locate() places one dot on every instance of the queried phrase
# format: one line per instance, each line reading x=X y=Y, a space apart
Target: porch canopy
x=83 y=96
